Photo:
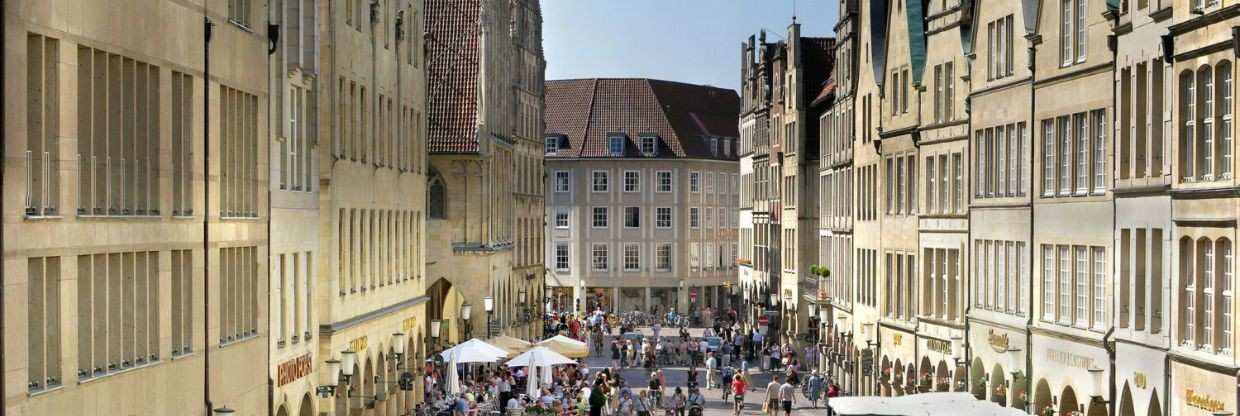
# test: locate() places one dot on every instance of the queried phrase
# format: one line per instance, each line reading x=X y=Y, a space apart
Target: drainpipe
x=1110 y=347
x=208 y=27
x=3 y=386
x=1029 y=320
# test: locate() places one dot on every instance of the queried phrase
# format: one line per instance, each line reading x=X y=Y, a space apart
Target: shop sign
x=1201 y=401
x=1140 y=380
x=1068 y=359
x=291 y=370
x=358 y=344
x=408 y=324
x=939 y=346
x=998 y=341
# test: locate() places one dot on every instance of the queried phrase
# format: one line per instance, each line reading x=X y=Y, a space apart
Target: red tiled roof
x=452 y=75
x=684 y=116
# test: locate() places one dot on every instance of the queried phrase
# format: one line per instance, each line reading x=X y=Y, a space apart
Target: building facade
x=642 y=194
x=136 y=238
x=485 y=107
x=370 y=275
x=758 y=259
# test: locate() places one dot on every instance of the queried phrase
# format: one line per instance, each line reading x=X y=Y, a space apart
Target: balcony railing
x=42 y=181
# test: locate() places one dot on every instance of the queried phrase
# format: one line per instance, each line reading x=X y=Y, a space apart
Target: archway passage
x=897 y=378
x=977 y=376
x=998 y=385
x=1155 y=406
x=1020 y=391
x=885 y=377
x=445 y=306
x=282 y=411
x=942 y=379
x=306 y=408
x=926 y=375
x=1125 y=402
x=1042 y=397
x=1067 y=402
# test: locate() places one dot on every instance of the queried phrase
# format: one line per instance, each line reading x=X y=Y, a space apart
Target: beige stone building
x=135 y=216
x=642 y=200
x=758 y=254
x=366 y=100
x=485 y=126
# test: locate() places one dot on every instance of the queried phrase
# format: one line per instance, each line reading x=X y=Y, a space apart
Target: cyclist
x=738 y=394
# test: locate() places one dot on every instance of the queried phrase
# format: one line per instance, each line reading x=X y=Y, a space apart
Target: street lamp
x=1096 y=373
x=488 y=304
x=435 y=325
x=328 y=388
x=466 y=312
x=398 y=346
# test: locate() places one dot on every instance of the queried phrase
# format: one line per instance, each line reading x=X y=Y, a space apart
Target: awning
x=924 y=404
x=567 y=346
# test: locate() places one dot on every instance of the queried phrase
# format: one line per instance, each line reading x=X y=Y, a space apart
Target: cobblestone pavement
x=678 y=376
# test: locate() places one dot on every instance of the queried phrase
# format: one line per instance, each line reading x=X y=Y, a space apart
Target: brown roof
x=684 y=116
x=452 y=72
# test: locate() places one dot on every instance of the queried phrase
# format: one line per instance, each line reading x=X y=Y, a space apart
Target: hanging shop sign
x=998 y=341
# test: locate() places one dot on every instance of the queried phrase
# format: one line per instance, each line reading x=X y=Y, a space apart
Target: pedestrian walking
x=771 y=403
x=787 y=397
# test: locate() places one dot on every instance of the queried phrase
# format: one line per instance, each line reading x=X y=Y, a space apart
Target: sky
x=693 y=41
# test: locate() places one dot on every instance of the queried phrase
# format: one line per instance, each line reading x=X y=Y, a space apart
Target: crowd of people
x=723 y=355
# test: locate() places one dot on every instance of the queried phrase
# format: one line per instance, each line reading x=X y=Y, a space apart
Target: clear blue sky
x=694 y=41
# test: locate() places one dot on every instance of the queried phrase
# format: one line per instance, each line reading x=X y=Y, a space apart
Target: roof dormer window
x=650 y=146
x=552 y=144
x=615 y=145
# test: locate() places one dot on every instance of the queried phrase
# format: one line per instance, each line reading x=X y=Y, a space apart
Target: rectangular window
x=632 y=217
x=1100 y=146
x=42 y=126
x=949 y=92
x=1226 y=323
x=562 y=182
x=1099 y=289
x=1065 y=156
x=1225 y=112
x=1081 y=289
x=931 y=197
x=551 y=145
x=1081 y=41
x=695 y=181
x=958 y=183
x=238 y=155
x=632 y=257
x=182 y=302
x=664 y=179
x=118 y=316
x=43 y=338
x=561 y=257
x=615 y=145
x=238 y=297
x=663 y=217
x=632 y=181
x=598 y=257
x=1065 y=286
x=239 y=12
x=561 y=218
x=599 y=181
x=663 y=257
x=598 y=217
x=1048 y=158
x=695 y=217
x=1065 y=32
x=649 y=148
x=182 y=144
x=1048 y=283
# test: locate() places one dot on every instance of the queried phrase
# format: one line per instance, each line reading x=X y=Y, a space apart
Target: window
x=599 y=217
x=615 y=145
x=1225 y=110
x=561 y=218
x=957 y=185
x=1082 y=153
x=1065 y=286
x=650 y=146
x=724 y=221
x=1100 y=148
x=632 y=257
x=1048 y=158
x=600 y=181
x=118 y=314
x=1065 y=32
x=1048 y=283
x=695 y=182
x=693 y=257
x=118 y=138
x=562 y=182
x=598 y=257
x=43 y=339
x=694 y=217
x=42 y=126
x=551 y=145
x=663 y=217
x=1188 y=105
x=561 y=257
x=238 y=154
x=664 y=181
x=632 y=181
x=710 y=217
x=239 y=287
x=632 y=217
x=1099 y=289
x=239 y=12
x=182 y=144
x=182 y=302
x=1225 y=304
x=663 y=257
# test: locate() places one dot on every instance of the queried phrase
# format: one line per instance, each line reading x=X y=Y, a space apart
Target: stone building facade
x=369 y=275
x=136 y=238
x=642 y=195
x=485 y=126
x=758 y=255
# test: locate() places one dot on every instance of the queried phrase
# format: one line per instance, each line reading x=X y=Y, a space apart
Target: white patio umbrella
x=538 y=359
x=474 y=351
x=454 y=380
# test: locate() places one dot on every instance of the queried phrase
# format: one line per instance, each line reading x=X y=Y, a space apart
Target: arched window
x=1205 y=283
x=1205 y=141
x=1224 y=114
x=1186 y=290
x=1187 y=109
x=1223 y=287
x=436 y=200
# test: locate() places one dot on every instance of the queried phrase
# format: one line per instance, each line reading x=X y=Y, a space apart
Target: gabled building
x=642 y=199
x=485 y=78
x=759 y=255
